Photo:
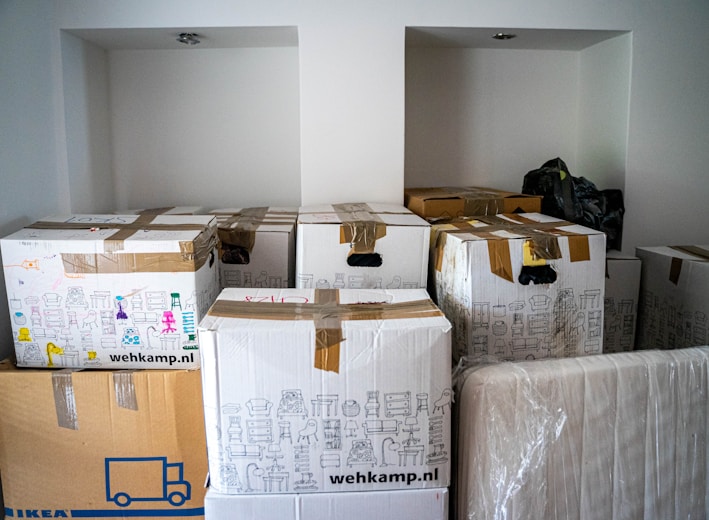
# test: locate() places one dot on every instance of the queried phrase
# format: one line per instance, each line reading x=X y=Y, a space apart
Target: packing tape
x=542 y=236
x=359 y=227
x=327 y=315
x=193 y=254
x=156 y=211
x=124 y=388
x=239 y=229
x=700 y=253
x=64 y=400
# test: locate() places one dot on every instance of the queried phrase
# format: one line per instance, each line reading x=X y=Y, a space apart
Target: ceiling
x=210 y=37
x=482 y=38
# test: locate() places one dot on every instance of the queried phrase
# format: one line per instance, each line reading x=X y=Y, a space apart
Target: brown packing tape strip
x=483 y=206
x=239 y=229
x=124 y=388
x=542 y=235
x=500 y=260
x=64 y=400
x=359 y=227
x=676 y=263
x=328 y=331
x=327 y=316
x=193 y=254
x=156 y=211
x=701 y=253
x=675 y=269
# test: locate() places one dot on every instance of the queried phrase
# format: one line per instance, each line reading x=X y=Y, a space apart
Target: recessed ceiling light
x=503 y=36
x=188 y=38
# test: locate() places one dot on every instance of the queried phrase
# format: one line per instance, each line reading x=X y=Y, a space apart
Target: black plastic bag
x=577 y=200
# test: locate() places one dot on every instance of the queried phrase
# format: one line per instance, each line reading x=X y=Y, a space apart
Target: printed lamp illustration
x=157 y=481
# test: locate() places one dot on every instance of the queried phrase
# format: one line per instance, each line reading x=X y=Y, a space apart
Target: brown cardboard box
x=450 y=202
x=102 y=443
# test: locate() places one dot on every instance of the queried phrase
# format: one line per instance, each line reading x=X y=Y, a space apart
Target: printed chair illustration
x=259 y=406
x=309 y=432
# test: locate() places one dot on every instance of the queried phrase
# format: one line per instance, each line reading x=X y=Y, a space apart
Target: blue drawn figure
x=160 y=481
x=121 y=314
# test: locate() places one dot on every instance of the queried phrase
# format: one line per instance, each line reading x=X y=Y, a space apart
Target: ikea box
x=673 y=307
x=621 y=301
x=256 y=247
x=361 y=246
x=521 y=286
x=100 y=443
x=326 y=390
x=423 y=504
x=451 y=202
x=110 y=291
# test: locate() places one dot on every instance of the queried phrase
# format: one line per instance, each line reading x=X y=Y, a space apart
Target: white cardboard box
x=673 y=308
x=110 y=291
x=325 y=390
x=608 y=437
x=521 y=286
x=256 y=247
x=620 y=311
x=419 y=504
x=361 y=246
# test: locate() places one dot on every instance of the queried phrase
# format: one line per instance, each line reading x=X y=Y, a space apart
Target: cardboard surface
x=97 y=443
x=621 y=301
x=520 y=286
x=607 y=437
x=674 y=307
x=325 y=390
x=421 y=504
x=361 y=246
x=110 y=291
x=451 y=202
x=256 y=247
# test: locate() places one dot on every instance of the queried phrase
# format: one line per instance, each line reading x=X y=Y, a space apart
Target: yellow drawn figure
x=51 y=350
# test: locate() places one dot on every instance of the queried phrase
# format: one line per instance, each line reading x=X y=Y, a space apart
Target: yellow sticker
x=562 y=173
x=528 y=256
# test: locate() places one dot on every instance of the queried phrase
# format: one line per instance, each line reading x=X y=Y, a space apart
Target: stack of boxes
x=105 y=292
x=325 y=385
x=337 y=392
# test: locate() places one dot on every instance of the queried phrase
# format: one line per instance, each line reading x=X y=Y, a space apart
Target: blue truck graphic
x=146 y=479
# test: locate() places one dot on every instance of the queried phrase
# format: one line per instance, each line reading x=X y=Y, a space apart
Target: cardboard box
x=608 y=437
x=256 y=247
x=620 y=311
x=110 y=291
x=98 y=443
x=521 y=286
x=361 y=246
x=451 y=202
x=326 y=391
x=674 y=308
x=428 y=504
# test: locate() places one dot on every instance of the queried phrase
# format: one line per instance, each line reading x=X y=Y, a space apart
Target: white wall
x=88 y=129
x=351 y=58
x=485 y=117
x=214 y=128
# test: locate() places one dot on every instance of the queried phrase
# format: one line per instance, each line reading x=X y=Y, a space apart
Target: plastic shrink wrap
x=615 y=436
